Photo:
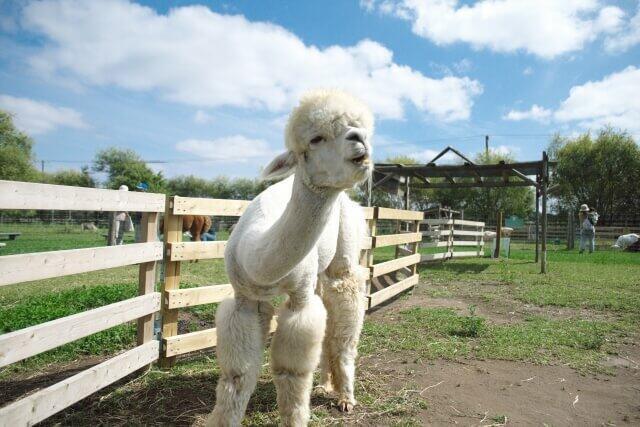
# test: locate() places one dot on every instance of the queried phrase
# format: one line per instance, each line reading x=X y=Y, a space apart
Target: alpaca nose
x=355 y=135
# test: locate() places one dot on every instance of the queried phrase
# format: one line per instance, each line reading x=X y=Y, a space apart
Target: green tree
x=76 y=178
x=601 y=172
x=219 y=188
x=16 y=152
x=126 y=167
x=483 y=203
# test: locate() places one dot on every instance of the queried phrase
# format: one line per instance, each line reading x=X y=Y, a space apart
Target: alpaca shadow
x=158 y=398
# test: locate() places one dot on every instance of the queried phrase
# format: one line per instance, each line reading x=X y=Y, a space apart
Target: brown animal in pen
x=197 y=225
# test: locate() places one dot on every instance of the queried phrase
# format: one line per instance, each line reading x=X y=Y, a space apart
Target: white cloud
x=628 y=37
x=202 y=117
x=546 y=28
x=195 y=56
x=505 y=150
x=527 y=71
x=236 y=148
x=536 y=113
x=614 y=100
x=38 y=117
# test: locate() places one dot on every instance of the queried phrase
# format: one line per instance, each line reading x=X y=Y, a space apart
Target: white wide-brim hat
x=584 y=208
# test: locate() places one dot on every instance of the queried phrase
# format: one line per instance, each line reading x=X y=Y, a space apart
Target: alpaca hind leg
x=295 y=352
x=345 y=313
x=239 y=351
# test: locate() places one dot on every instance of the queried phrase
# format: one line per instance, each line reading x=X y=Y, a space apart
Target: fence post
x=416 y=246
x=147 y=275
x=480 y=239
x=113 y=226
x=451 y=227
x=373 y=227
x=172 y=234
x=496 y=254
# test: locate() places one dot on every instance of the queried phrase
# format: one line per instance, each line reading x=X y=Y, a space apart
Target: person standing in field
x=588 y=220
x=123 y=222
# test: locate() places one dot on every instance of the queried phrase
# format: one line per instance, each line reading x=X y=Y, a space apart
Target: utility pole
x=486 y=145
x=42 y=166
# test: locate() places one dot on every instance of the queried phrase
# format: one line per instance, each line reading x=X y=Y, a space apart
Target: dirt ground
x=466 y=392
x=484 y=392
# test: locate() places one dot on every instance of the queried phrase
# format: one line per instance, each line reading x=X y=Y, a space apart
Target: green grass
x=46 y=307
x=432 y=333
x=605 y=280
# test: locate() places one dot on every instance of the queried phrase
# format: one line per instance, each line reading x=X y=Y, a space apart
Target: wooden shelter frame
x=394 y=177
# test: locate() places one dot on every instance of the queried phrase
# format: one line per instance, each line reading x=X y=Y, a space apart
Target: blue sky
x=208 y=85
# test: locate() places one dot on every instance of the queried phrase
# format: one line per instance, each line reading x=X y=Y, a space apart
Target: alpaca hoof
x=322 y=391
x=345 y=405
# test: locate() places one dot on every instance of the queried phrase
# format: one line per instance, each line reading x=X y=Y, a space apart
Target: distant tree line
x=601 y=171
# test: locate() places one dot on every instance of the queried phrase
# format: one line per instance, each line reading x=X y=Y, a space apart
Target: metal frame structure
x=400 y=178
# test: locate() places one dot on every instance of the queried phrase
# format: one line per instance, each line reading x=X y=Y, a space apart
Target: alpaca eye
x=316 y=140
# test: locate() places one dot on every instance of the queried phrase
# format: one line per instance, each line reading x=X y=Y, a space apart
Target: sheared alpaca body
x=296 y=231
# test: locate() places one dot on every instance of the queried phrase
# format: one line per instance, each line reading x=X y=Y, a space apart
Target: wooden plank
x=433 y=257
x=193 y=341
x=467 y=233
x=438 y=221
x=394 y=264
x=27 y=342
x=184 y=251
x=29 y=195
x=44 y=403
x=464 y=254
x=366 y=243
x=435 y=244
x=199 y=340
x=177 y=298
x=396 y=239
x=399 y=214
x=44 y=265
x=436 y=233
x=469 y=223
x=395 y=289
x=368 y=212
x=467 y=243
x=201 y=206
x=147 y=275
x=172 y=234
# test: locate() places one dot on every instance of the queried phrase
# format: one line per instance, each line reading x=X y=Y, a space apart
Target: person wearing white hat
x=588 y=220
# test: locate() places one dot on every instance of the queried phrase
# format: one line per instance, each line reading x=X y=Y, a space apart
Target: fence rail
x=447 y=233
x=21 y=344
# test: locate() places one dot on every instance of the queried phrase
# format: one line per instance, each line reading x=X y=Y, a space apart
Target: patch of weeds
x=442 y=333
x=43 y=308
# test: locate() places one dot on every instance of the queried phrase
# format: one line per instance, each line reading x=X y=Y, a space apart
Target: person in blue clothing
x=588 y=220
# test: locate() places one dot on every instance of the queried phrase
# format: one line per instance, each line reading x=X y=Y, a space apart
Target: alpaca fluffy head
x=328 y=135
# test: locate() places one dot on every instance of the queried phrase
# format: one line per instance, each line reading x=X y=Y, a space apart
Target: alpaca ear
x=280 y=167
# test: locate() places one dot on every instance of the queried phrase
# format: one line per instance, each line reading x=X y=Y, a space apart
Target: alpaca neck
x=290 y=239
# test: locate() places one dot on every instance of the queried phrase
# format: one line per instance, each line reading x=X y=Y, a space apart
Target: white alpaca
x=295 y=231
x=626 y=240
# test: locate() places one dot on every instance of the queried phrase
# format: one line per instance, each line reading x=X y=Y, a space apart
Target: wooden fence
x=453 y=235
x=386 y=280
x=27 y=342
x=174 y=298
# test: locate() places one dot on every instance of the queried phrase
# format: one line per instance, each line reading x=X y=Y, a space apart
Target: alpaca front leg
x=345 y=313
x=295 y=352
x=241 y=337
